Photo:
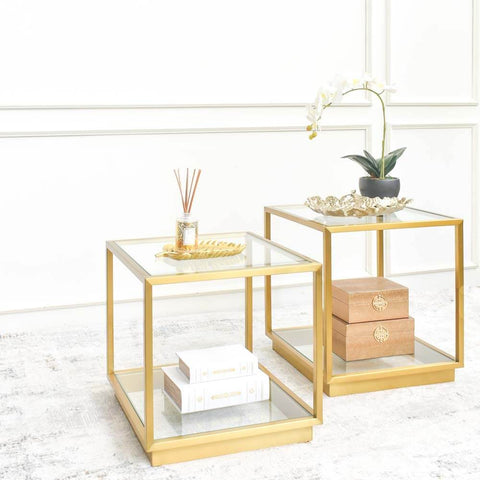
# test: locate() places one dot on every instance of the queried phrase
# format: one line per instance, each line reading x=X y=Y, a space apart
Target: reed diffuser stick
x=190 y=191
x=185 y=208
x=194 y=190
x=187 y=191
x=179 y=182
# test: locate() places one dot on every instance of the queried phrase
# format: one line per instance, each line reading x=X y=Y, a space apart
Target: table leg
x=317 y=345
x=327 y=299
x=380 y=254
x=110 y=337
x=459 y=305
x=249 y=313
x=148 y=362
x=268 y=280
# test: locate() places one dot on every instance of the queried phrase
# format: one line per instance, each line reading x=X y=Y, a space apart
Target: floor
x=59 y=419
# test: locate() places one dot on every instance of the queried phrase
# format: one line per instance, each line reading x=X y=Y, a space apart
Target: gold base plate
x=219 y=442
x=194 y=452
x=383 y=382
x=388 y=383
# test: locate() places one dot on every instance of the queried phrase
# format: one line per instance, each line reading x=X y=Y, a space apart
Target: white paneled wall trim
x=160 y=66
x=360 y=103
x=94 y=185
x=446 y=201
x=442 y=61
x=182 y=131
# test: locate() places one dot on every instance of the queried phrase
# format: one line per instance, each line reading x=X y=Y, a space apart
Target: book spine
x=207 y=396
x=206 y=373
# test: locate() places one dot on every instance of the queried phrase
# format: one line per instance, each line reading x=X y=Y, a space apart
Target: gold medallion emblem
x=380 y=334
x=379 y=303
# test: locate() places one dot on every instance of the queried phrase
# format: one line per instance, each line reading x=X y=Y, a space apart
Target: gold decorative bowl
x=354 y=205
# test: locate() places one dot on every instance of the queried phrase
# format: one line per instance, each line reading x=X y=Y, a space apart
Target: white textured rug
x=59 y=419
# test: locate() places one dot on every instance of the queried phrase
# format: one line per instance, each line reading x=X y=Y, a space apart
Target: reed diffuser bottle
x=186 y=232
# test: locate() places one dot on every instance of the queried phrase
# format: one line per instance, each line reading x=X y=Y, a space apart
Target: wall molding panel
x=472 y=261
x=242 y=51
x=74 y=190
x=469 y=100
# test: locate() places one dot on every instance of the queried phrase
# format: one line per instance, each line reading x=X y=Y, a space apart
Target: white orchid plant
x=333 y=93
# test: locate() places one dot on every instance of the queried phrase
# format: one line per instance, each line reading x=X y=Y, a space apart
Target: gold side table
x=284 y=418
x=429 y=364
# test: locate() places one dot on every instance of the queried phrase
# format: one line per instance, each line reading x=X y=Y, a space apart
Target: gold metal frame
x=190 y=447
x=344 y=384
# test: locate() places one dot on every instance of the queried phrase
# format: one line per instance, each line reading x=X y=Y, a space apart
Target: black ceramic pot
x=376 y=187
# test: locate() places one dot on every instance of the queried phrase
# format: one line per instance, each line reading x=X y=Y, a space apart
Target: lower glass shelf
x=169 y=422
x=300 y=339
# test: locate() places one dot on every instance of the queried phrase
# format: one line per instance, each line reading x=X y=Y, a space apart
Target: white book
x=217 y=363
x=196 y=397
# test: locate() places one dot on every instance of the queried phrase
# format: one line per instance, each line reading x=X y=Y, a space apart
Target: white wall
x=99 y=101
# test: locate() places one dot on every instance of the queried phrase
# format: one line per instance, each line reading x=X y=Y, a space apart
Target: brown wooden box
x=359 y=341
x=368 y=299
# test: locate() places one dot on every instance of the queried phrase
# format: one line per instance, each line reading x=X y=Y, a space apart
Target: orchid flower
x=333 y=93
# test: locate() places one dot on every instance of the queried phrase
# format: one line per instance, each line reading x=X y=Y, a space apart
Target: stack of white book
x=215 y=377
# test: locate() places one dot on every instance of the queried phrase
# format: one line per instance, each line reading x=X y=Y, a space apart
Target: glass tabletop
x=258 y=253
x=407 y=215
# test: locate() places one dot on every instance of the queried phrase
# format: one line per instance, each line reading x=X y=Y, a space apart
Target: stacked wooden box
x=214 y=378
x=371 y=319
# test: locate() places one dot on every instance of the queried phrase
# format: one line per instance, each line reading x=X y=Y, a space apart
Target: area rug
x=59 y=419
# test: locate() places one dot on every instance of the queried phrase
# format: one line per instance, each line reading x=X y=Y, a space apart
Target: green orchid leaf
x=376 y=164
x=391 y=159
x=370 y=160
x=365 y=163
x=370 y=157
x=396 y=154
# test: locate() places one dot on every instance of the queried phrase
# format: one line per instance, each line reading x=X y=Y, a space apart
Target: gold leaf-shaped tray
x=354 y=205
x=206 y=249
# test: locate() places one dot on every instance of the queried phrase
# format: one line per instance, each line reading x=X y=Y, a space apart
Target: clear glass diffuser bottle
x=186 y=233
